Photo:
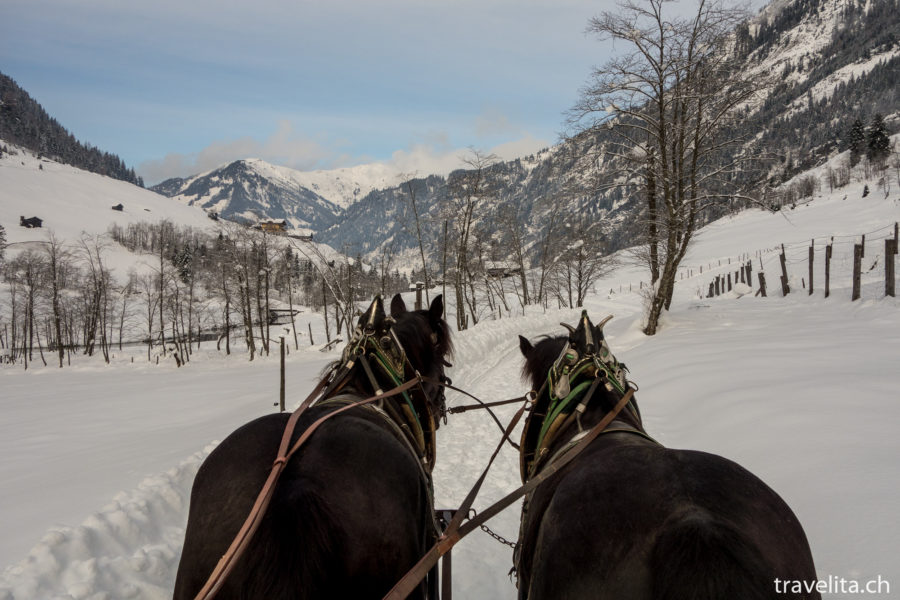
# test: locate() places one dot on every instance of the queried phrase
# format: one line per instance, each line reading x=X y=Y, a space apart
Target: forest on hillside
x=25 y=122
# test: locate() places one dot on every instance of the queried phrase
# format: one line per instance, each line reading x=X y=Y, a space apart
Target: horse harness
x=601 y=366
x=404 y=412
x=564 y=397
x=403 y=419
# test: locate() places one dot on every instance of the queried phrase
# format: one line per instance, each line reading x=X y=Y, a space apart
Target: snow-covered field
x=98 y=460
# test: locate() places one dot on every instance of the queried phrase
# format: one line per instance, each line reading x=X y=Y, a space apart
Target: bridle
x=584 y=361
x=376 y=348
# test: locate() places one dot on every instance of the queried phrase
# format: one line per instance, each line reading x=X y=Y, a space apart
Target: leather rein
x=457 y=530
x=242 y=540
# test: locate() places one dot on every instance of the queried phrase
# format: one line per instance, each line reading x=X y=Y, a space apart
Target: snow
x=70 y=200
x=342 y=186
x=98 y=460
x=824 y=89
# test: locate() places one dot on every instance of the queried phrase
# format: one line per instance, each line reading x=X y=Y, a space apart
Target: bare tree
x=96 y=294
x=332 y=282
x=57 y=258
x=410 y=189
x=147 y=287
x=513 y=219
x=469 y=189
x=670 y=100
x=584 y=259
x=547 y=246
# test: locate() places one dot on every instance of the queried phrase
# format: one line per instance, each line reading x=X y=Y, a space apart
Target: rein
x=456 y=530
x=285 y=451
x=487 y=406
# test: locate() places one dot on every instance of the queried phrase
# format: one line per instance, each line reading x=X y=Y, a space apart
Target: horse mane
x=414 y=331
x=541 y=358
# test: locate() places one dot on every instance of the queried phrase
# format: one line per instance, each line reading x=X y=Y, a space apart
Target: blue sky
x=180 y=87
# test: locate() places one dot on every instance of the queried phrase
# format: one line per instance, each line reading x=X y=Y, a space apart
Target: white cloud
x=284 y=147
x=434 y=154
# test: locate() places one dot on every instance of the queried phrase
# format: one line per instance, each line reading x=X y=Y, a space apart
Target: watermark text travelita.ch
x=833 y=585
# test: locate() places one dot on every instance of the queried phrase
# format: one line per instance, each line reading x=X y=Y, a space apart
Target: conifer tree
x=878 y=144
x=856 y=141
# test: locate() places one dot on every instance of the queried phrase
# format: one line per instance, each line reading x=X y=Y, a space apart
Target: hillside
x=71 y=201
x=25 y=123
x=796 y=389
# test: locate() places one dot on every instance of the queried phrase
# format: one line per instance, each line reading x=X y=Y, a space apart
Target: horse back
x=635 y=520
x=349 y=516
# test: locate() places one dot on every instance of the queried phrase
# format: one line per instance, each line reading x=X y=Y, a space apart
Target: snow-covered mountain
x=835 y=61
x=253 y=189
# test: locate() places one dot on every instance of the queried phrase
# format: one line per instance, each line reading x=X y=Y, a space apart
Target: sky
x=179 y=87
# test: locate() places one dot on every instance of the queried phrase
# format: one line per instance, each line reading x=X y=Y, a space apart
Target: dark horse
x=353 y=509
x=628 y=518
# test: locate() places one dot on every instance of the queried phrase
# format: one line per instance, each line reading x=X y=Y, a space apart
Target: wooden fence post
x=710 y=294
x=863 y=255
x=762 y=283
x=857 y=270
x=717 y=284
x=750 y=273
x=729 y=282
x=811 y=255
x=785 y=288
x=828 y=270
x=311 y=342
x=890 y=248
x=281 y=394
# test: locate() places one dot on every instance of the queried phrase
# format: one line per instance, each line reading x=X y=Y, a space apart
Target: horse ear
x=374 y=316
x=525 y=346
x=436 y=310
x=398 y=306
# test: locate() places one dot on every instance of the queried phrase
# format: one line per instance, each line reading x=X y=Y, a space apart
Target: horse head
x=425 y=337
x=561 y=369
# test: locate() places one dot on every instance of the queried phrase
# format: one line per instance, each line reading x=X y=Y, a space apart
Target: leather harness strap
x=456 y=531
x=285 y=450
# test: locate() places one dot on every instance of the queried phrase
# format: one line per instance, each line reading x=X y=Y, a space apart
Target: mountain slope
x=253 y=189
x=71 y=201
x=837 y=61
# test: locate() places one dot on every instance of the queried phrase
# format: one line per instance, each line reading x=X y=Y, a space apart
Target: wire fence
x=850 y=261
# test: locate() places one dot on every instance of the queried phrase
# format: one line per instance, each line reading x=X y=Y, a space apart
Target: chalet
x=501 y=269
x=273 y=226
x=282 y=316
x=31 y=223
x=118 y=207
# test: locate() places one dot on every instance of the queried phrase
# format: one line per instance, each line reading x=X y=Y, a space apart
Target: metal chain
x=498 y=537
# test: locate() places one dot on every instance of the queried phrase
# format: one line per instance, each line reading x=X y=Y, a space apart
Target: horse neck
x=596 y=410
